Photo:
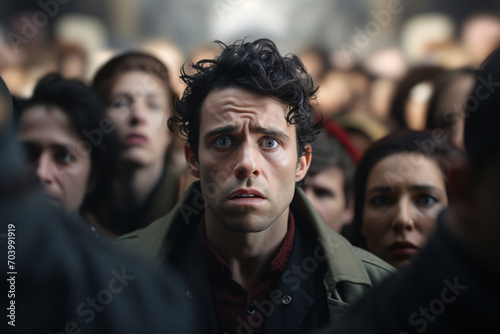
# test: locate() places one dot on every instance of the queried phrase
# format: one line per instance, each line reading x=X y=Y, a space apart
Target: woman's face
x=139 y=110
x=404 y=194
x=57 y=154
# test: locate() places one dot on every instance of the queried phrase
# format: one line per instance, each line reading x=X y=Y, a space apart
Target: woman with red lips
x=136 y=92
x=400 y=189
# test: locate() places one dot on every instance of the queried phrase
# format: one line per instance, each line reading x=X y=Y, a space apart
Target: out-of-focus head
x=400 y=188
x=136 y=92
x=329 y=181
x=421 y=32
x=316 y=62
x=256 y=67
x=69 y=143
x=480 y=36
x=448 y=103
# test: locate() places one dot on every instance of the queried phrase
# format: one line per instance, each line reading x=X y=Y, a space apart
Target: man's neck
x=248 y=255
x=135 y=183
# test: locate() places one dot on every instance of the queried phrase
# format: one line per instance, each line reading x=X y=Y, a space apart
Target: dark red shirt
x=235 y=307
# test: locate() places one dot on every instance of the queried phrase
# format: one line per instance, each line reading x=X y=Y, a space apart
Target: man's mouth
x=246 y=193
x=245 y=196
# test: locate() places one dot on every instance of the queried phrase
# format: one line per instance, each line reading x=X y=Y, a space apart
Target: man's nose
x=45 y=169
x=247 y=161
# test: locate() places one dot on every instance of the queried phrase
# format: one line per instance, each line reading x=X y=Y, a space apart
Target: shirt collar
x=216 y=264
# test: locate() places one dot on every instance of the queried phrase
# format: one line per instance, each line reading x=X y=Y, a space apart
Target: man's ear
x=192 y=160
x=304 y=163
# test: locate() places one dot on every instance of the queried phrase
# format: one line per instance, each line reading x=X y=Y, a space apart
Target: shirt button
x=286 y=300
x=251 y=309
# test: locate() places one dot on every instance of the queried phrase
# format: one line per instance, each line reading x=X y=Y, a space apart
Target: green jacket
x=351 y=271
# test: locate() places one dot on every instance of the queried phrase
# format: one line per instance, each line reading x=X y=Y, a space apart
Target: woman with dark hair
x=400 y=188
x=68 y=144
x=138 y=99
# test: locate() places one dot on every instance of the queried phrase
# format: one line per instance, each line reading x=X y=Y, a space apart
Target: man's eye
x=269 y=143
x=223 y=141
x=426 y=200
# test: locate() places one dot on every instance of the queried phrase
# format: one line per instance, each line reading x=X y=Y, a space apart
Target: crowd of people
x=263 y=198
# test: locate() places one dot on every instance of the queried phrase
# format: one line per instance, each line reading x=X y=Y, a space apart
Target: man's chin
x=246 y=224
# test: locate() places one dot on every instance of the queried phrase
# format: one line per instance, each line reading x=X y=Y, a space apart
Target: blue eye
x=426 y=200
x=223 y=141
x=154 y=105
x=269 y=143
x=121 y=103
x=64 y=158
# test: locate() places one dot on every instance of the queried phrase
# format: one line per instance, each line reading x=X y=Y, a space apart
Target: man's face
x=57 y=155
x=325 y=190
x=247 y=160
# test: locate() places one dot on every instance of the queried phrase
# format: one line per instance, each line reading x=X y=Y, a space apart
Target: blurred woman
x=67 y=144
x=138 y=99
x=400 y=188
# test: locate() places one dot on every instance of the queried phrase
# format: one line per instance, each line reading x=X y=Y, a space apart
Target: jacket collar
x=342 y=261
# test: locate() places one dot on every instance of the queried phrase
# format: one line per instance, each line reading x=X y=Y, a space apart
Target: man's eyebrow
x=273 y=132
x=220 y=130
x=231 y=128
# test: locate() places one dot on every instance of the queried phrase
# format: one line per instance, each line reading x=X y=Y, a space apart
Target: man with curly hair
x=257 y=255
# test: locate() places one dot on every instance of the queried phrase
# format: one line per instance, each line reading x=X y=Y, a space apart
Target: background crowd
x=92 y=98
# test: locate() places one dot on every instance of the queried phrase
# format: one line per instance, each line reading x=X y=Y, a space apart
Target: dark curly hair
x=83 y=107
x=259 y=68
